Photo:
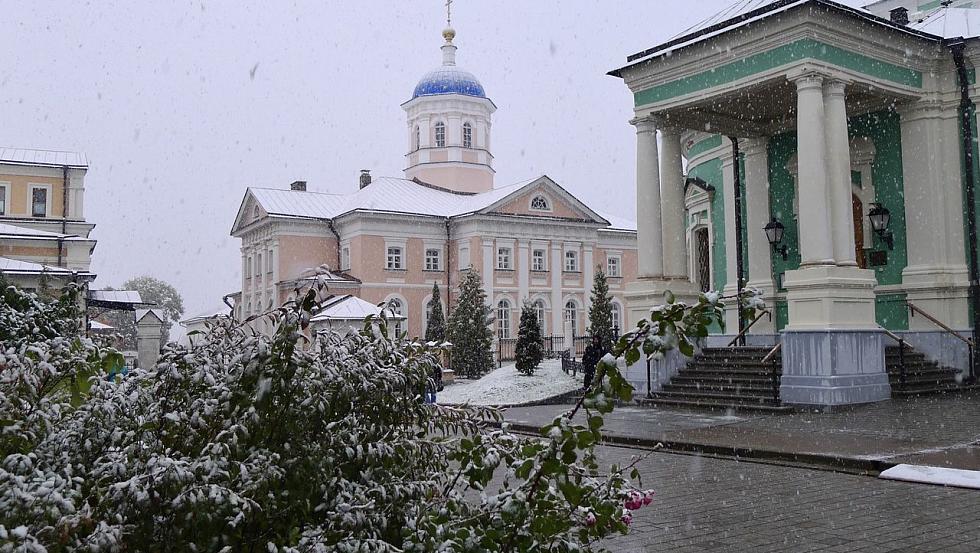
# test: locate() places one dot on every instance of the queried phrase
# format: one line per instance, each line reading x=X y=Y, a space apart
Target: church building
x=390 y=239
x=830 y=155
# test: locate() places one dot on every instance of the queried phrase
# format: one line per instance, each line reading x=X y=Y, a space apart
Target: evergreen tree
x=435 y=326
x=469 y=329
x=530 y=350
x=600 y=314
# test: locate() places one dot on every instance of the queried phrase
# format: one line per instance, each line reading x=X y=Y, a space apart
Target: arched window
x=503 y=319
x=571 y=316
x=428 y=315
x=539 y=313
x=397 y=308
x=617 y=318
x=256 y=212
x=440 y=135
x=540 y=203
x=467 y=135
x=418 y=138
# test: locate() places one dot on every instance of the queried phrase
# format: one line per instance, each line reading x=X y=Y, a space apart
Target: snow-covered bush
x=286 y=443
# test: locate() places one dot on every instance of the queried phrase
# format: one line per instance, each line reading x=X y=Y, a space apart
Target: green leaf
x=595 y=422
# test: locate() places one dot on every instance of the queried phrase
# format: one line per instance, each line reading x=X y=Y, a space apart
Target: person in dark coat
x=433 y=384
x=590 y=359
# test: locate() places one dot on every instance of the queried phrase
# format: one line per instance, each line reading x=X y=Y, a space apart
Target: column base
x=943 y=292
x=644 y=294
x=828 y=368
x=830 y=297
x=767 y=324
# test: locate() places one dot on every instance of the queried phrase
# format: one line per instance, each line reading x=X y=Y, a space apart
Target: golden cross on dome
x=449 y=13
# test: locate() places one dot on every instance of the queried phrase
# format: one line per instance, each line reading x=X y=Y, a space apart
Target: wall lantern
x=880 y=216
x=774 y=232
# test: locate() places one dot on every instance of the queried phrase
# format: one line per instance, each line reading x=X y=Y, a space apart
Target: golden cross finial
x=449 y=13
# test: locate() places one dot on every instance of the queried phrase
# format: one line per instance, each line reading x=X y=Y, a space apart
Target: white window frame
x=270 y=261
x=543 y=266
x=5 y=196
x=571 y=261
x=618 y=264
x=433 y=262
x=547 y=203
x=574 y=315
x=616 y=311
x=397 y=324
x=541 y=311
x=345 y=257
x=439 y=126
x=47 y=201
x=505 y=258
x=418 y=138
x=464 y=258
x=395 y=261
x=467 y=135
x=503 y=319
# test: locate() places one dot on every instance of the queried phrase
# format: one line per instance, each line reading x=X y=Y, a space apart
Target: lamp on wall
x=774 y=232
x=880 y=216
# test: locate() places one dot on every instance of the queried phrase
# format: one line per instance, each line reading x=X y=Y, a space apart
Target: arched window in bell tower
x=418 y=138
x=467 y=135
x=440 y=135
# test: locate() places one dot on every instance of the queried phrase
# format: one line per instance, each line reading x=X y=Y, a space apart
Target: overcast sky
x=180 y=106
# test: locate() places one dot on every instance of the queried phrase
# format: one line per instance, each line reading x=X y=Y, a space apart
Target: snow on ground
x=506 y=386
x=934 y=475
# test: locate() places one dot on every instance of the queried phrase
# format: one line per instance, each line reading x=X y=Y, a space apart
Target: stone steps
x=922 y=376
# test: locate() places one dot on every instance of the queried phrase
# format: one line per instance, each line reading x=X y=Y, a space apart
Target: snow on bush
x=253 y=443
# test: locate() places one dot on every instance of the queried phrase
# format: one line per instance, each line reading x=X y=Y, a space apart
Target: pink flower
x=627 y=518
x=589 y=520
x=648 y=497
x=634 y=501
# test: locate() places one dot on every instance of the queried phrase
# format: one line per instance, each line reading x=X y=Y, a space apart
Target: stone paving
x=938 y=430
x=720 y=505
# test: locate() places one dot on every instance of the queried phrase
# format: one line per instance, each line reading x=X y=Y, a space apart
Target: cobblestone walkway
x=715 y=505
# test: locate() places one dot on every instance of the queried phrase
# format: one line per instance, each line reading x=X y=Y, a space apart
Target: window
x=345 y=258
x=258 y=265
x=464 y=258
x=539 y=312
x=255 y=212
x=440 y=135
x=613 y=267
x=395 y=259
x=269 y=263
x=539 y=203
x=537 y=261
x=428 y=315
x=432 y=259
x=503 y=319
x=3 y=200
x=39 y=202
x=418 y=138
x=467 y=135
x=248 y=269
x=397 y=308
x=571 y=262
x=571 y=316
x=617 y=318
x=503 y=259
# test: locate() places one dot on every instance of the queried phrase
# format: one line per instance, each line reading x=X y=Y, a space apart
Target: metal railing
x=913 y=309
x=773 y=376
x=901 y=354
x=745 y=330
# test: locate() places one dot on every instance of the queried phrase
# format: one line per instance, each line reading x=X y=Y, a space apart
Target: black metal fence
x=554 y=347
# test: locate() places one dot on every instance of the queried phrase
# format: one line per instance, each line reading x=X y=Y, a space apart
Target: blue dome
x=449 y=80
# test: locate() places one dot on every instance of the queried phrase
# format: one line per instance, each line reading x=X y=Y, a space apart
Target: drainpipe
x=336 y=235
x=64 y=210
x=966 y=136
x=739 y=262
x=449 y=238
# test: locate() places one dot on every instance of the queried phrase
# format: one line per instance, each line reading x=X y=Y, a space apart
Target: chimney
x=899 y=16
x=365 y=177
x=299 y=186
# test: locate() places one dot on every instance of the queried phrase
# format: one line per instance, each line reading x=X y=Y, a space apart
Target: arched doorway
x=857 y=209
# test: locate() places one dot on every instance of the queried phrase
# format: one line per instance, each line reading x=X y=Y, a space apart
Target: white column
x=588 y=274
x=839 y=173
x=731 y=282
x=488 y=264
x=556 y=306
x=816 y=243
x=649 y=235
x=757 y=215
x=523 y=272
x=672 y=204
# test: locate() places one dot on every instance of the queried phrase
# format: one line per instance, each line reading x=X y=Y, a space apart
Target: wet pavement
x=939 y=430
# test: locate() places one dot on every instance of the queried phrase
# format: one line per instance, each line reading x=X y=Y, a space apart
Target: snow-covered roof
x=96 y=325
x=213 y=313
x=949 y=22
x=618 y=223
x=48 y=158
x=350 y=308
x=746 y=12
x=16 y=266
x=141 y=313
x=14 y=231
x=116 y=296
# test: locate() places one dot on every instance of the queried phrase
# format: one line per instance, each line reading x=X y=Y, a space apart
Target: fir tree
x=530 y=350
x=469 y=329
x=435 y=326
x=600 y=314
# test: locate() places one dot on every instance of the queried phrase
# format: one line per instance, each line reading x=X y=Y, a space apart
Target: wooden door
x=858 y=212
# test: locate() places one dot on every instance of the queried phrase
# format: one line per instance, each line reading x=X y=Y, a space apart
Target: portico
x=833 y=110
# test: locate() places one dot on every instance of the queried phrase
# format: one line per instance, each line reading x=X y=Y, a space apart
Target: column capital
x=646 y=124
x=806 y=81
x=753 y=146
x=835 y=87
